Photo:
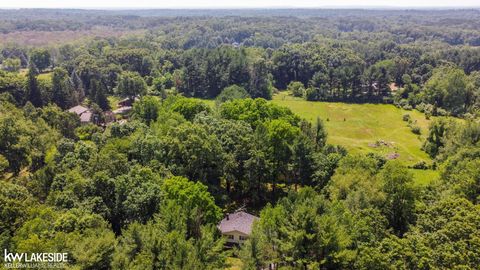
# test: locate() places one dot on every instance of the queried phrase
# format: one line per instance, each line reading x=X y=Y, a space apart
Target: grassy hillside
x=359 y=127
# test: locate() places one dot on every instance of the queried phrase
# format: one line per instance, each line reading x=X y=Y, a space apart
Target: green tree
x=131 y=84
x=62 y=92
x=33 y=91
x=195 y=200
x=98 y=94
x=187 y=107
x=259 y=86
x=11 y=64
x=41 y=58
x=147 y=109
x=280 y=137
x=296 y=88
x=437 y=136
x=230 y=93
x=447 y=88
x=400 y=198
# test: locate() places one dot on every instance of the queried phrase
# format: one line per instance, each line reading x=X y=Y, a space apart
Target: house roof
x=238 y=221
x=122 y=110
x=86 y=116
x=79 y=109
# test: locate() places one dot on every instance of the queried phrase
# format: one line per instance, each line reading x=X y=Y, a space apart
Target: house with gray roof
x=237 y=227
x=84 y=113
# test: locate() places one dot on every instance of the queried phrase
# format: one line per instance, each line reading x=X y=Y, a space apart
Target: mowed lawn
x=359 y=126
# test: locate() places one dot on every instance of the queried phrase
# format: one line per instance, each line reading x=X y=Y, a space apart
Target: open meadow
x=364 y=128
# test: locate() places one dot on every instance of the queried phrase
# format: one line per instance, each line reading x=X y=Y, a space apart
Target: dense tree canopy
x=147 y=192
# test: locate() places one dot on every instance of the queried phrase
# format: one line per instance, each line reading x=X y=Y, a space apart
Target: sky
x=232 y=3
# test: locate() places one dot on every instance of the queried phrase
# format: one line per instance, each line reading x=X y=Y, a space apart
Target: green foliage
x=461 y=174
x=146 y=109
x=356 y=184
x=131 y=84
x=303 y=231
x=11 y=64
x=13 y=83
x=448 y=89
x=86 y=132
x=33 y=91
x=415 y=129
x=41 y=58
x=188 y=108
x=165 y=245
x=436 y=136
x=255 y=111
x=14 y=202
x=98 y=94
x=198 y=205
x=296 y=88
x=144 y=194
x=230 y=93
x=399 y=207
x=3 y=164
x=23 y=140
x=64 y=122
x=62 y=92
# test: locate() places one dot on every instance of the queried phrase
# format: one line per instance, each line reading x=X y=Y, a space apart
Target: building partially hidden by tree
x=85 y=114
x=237 y=227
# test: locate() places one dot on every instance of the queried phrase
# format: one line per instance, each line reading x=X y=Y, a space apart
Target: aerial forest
x=189 y=115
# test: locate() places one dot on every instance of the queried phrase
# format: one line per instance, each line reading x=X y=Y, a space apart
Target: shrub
x=401 y=103
x=296 y=88
x=311 y=94
x=422 y=165
x=441 y=112
x=416 y=129
x=421 y=107
x=406 y=117
x=230 y=93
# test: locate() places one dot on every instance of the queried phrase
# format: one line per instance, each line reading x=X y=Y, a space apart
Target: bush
x=416 y=129
x=86 y=132
x=441 y=112
x=296 y=88
x=311 y=94
x=421 y=107
x=230 y=93
x=407 y=117
x=422 y=165
x=402 y=103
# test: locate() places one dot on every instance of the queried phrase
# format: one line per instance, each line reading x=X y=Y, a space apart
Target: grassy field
x=359 y=126
x=424 y=177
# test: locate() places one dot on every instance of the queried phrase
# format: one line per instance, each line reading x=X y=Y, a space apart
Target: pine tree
x=62 y=92
x=33 y=92
x=98 y=94
x=77 y=85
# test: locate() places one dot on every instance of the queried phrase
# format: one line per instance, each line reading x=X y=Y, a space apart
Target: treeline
x=361 y=58
x=267 y=28
x=409 y=76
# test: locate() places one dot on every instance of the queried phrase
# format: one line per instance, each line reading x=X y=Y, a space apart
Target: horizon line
x=126 y=8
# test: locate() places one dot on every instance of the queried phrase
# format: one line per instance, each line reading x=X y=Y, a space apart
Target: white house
x=237 y=227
